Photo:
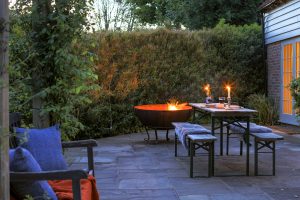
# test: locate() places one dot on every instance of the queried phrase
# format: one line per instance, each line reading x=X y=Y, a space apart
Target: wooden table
x=229 y=117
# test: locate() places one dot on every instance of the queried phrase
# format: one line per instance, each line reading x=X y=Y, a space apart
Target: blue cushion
x=44 y=145
x=21 y=160
x=180 y=125
x=254 y=128
x=183 y=129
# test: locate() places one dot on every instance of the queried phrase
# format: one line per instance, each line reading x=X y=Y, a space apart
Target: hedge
x=153 y=66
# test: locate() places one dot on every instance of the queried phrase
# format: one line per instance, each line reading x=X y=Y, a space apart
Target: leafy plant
x=50 y=70
x=268 y=110
x=295 y=89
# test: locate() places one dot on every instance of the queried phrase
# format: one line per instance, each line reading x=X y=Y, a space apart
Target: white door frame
x=285 y=118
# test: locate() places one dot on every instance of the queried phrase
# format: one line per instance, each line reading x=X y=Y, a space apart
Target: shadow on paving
x=128 y=168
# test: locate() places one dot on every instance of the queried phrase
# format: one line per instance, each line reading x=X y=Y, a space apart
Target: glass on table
x=222 y=100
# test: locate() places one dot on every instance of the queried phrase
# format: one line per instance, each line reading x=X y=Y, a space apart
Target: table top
x=223 y=111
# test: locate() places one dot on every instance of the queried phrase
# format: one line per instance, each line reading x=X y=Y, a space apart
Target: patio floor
x=127 y=168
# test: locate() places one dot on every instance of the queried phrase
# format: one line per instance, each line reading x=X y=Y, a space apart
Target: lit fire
x=172 y=107
x=175 y=105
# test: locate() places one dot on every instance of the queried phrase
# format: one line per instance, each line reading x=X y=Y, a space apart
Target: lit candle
x=228 y=89
x=207 y=89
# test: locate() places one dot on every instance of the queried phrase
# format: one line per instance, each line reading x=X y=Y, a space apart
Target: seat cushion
x=185 y=125
x=44 y=145
x=183 y=129
x=21 y=160
x=254 y=128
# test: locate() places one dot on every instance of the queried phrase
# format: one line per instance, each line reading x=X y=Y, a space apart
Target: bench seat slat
x=267 y=136
x=202 y=138
x=254 y=128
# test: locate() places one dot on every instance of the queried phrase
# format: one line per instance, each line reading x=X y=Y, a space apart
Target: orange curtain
x=287 y=78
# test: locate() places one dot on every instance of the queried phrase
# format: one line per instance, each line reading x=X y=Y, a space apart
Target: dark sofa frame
x=74 y=175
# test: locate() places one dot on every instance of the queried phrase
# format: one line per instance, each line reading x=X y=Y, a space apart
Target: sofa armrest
x=80 y=143
x=48 y=175
x=74 y=175
x=89 y=144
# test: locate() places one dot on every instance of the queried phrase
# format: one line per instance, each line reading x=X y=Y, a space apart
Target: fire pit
x=160 y=116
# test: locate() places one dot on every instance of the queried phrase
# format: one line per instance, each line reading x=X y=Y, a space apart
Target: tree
x=4 y=135
x=157 y=12
x=114 y=15
x=207 y=13
x=55 y=60
x=195 y=14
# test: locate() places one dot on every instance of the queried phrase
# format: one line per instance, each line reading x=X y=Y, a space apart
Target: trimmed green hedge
x=154 y=66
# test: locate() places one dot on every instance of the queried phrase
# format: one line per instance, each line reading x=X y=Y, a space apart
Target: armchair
x=74 y=175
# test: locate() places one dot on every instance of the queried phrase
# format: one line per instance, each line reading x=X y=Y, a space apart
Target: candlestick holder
x=208 y=100
x=228 y=102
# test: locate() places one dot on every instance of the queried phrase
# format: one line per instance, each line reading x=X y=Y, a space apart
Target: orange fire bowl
x=159 y=117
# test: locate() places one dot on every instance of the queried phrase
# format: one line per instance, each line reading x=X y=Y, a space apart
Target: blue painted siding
x=283 y=23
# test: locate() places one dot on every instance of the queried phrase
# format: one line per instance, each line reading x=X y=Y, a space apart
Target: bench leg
x=241 y=148
x=175 y=144
x=210 y=159
x=255 y=158
x=274 y=157
x=213 y=159
x=192 y=151
x=189 y=147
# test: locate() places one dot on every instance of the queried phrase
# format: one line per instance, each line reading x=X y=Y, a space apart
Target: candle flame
x=207 y=89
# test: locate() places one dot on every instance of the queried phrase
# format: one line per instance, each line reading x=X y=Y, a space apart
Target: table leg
x=213 y=125
x=194 y=114
x=248 y=145
x=221 y=136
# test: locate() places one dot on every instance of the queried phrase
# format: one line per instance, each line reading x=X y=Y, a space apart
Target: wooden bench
x=183 y=129
x=206 y=142
x=261 y=141
x=239 y=128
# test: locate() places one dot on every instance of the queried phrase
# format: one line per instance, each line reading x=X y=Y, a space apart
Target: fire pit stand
x=159 y=117
x=156 y=136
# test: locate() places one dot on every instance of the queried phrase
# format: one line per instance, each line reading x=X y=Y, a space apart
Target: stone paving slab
x=127 y=167
x=137 y=194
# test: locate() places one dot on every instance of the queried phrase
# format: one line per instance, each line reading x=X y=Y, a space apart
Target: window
x=287 y=104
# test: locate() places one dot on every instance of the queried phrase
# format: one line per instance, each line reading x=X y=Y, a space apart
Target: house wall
x=274 y=74
x=282 y=23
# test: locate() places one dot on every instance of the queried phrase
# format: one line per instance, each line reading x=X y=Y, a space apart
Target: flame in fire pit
x=172 y=107
x=175 y=105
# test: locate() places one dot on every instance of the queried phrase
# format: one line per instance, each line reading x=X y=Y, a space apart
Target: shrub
x=153 y=66
x=268 y=111
x=295 y=89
